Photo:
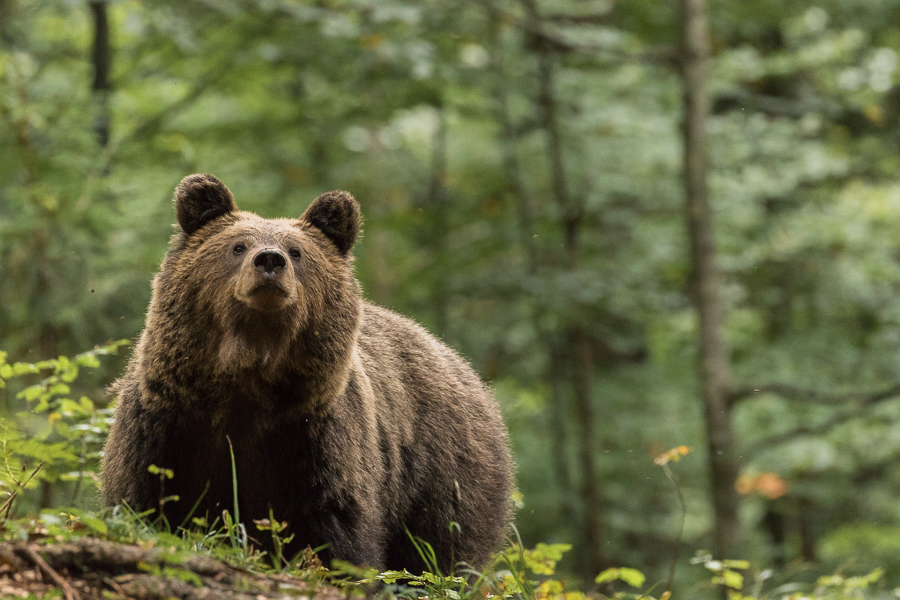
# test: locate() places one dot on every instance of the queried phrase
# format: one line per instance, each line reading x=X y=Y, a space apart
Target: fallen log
x=94 y=569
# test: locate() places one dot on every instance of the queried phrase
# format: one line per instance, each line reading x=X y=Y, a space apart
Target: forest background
x=521 y=166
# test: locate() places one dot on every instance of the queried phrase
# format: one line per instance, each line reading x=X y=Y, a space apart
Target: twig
x=601 y=18
x=787 y=436
x=812 y=396
x=7 y=506
x=682 y=516
x=67 y=589
x=81 y=462
x=115 y=586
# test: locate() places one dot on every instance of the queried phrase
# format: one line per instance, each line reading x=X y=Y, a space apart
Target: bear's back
x=442 y=436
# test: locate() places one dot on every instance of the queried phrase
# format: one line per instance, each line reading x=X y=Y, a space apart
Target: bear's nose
x=269 y=262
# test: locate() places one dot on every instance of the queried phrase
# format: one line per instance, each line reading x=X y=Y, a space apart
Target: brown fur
x=350 y=422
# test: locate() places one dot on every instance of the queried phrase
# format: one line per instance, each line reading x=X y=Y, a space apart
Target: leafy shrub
x=59 y=437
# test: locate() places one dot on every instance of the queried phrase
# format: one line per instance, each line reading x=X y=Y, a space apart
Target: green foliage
x=541 y=560
x=840 y=587
x=864 y=545
x=725 y=572
x=516 y=568
x=433 y=583
x=62 y=436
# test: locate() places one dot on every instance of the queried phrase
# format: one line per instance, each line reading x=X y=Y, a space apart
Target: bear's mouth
x=269 y=287
x=267 y=296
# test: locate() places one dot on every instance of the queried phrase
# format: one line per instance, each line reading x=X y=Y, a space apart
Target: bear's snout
x=269 y=262
x=264 y=282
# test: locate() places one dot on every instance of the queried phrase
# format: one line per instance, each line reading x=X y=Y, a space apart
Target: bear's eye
x=239 y=249
x=295 y=254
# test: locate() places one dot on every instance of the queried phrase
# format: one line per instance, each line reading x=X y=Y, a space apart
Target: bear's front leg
x=355 y=533
x=137 y=439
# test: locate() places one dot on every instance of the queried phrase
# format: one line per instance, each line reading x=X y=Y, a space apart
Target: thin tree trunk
x=101 y=58
x=714 y=367
x=48 y=336
x=572 y=218
x=521 y=199
x=587 y=451
x=437 y=216
x=559 y=408
x=807 y=509
x=512 y=169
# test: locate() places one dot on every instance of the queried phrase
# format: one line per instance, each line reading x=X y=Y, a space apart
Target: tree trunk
x=714 y=368
x=521 y=199
x=807 y=508
x=101 y=58
x=437 y=215
x=571 y=214
x=584 y=412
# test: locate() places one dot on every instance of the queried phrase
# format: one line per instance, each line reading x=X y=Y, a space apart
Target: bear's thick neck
x=256 y=342
x=269 y=349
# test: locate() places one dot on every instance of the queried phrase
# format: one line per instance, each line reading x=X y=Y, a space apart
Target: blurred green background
x=434 y=115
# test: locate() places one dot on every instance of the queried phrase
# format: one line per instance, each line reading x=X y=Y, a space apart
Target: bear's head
x=248 y=293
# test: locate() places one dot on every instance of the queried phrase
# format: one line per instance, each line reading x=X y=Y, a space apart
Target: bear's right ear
x=336 y=214
x=199 y=199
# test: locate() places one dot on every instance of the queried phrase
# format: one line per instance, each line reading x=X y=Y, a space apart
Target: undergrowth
x=47 y=435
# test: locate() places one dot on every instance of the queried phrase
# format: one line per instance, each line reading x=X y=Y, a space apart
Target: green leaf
x=733 y=579
x=393 y=576
x=632 y=577
x=25 y=369
x=59 y=389
x=70 y=374
x=87 y=360
x=542 y=560
x=98 y=525
x=31 y=393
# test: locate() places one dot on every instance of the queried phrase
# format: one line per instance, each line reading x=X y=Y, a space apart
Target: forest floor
x=89 y=568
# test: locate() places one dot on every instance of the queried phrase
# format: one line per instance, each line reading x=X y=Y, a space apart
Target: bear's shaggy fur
x=350 y=422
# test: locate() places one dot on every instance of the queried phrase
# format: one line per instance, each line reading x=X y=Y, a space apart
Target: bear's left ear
x=199 y=199
x=336 y=214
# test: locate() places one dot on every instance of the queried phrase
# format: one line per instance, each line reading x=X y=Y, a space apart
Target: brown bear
x=348 y=421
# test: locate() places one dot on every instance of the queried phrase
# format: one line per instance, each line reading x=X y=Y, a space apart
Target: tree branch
x=541 y=35
x=601 y=18
x=823 y=427
x=39 y=562
x=790 y=392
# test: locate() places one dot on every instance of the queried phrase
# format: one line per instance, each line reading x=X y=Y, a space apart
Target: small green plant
x=237 y=532
x=517 y=570
x=726 y=573
x=163 y=475
x=276 y=528
x=839 y=587
x=433 y=583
